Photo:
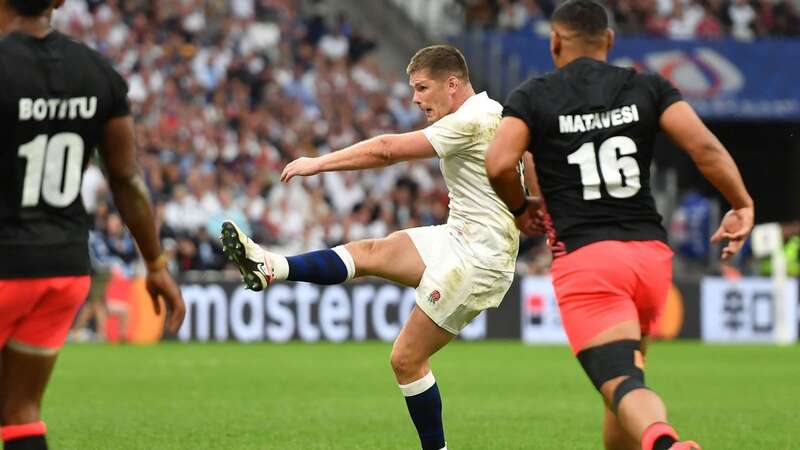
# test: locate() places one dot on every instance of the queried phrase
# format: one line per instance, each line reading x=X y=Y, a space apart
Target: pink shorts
x=37 y=313
x=605 y=283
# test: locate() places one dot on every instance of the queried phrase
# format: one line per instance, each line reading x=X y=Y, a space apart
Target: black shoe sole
x=234 y=249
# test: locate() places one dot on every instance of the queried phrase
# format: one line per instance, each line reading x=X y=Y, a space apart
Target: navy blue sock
x=426 y=412
x=664 y=443
x=319 y=267
x=26 y=443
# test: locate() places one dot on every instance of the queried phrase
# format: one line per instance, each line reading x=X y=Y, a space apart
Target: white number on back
x=620 y=172
x=53 y=169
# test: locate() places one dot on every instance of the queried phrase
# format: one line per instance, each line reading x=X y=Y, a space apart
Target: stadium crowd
x=224 y=94
x=674 y=19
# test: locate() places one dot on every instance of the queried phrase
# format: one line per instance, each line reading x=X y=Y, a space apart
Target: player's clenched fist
x=300 y=167
x=531 y=221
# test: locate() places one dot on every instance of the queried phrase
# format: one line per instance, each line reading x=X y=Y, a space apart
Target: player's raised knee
x=372 y=256
x=365 y=254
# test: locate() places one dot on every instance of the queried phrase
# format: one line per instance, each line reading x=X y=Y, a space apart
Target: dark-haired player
x=590 y=127
x=59 y=100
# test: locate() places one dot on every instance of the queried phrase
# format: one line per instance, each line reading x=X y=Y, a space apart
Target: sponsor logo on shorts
x=434 y=297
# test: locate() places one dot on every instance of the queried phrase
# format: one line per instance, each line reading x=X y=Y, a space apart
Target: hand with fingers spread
x=531 y=220
x=735 y=227
x=159 y=283
x=300 y=167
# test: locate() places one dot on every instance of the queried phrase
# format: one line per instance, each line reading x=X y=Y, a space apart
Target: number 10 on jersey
x=620 y=172
x=53 y=170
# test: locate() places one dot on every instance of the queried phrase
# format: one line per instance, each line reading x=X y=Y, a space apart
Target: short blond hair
x=440 y=61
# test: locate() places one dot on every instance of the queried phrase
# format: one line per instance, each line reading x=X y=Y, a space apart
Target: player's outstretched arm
x=685 y=128
x=508 y=146
x=379 y=151
x=118 y=150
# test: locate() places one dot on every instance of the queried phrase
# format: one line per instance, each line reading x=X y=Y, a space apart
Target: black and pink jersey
x=592 y=128
x=57 y=95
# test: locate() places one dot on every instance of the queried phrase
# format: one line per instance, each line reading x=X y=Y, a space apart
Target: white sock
x=347 y=259
x=280 y=266
x=419 y=386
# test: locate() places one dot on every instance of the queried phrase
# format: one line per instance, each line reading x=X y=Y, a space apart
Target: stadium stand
x=674 y=19
x=226 y=93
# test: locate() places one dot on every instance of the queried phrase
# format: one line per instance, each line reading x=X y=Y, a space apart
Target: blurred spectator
x=674 y=19
x=765 y=16
x=690 y=227
x=786 y=19
x=95 y=306
x=518 y=14
x=535 y=257
x=480 y=14
x=226 y=93
x=684 y=20
x=121 y=248
x=93 y=187
x=743 y=20
x=186 y=254
x=227 y=211
x=335 y=45
x=709 y=27
x=208 y=250
x=512 y=15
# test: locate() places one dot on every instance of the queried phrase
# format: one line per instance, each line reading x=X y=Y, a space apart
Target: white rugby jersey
x=461 y=140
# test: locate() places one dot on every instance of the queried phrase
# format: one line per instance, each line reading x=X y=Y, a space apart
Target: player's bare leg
x=641 y=407
x=394 y=258
x=23 y=381
x=640 y=412
x=95 y=306
x=614 y=436
x=419 y=339
x=92 y=309
x=100 y=316
x=120 y=311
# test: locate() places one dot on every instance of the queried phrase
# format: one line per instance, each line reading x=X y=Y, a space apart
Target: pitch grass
x=497 y=395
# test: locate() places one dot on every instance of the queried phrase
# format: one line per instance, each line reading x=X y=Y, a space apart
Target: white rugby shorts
x=455 y=286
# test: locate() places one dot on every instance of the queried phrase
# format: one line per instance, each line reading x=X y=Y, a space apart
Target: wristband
x=521 y=210
x=157 y=264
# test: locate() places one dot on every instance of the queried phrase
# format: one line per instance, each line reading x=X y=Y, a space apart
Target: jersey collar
x=474 y=98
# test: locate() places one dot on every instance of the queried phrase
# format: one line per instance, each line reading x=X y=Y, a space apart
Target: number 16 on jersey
x=619 y=170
